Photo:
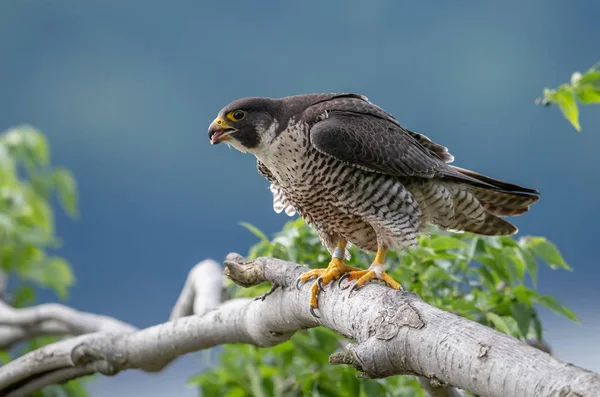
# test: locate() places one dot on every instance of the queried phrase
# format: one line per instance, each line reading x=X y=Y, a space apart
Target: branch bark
x=17 y=325
x=202 y=291
x=394 y=332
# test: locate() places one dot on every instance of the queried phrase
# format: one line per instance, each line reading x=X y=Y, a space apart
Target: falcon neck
x=287 y=154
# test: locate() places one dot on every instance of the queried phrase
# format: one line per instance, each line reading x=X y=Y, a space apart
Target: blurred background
x=125 y=91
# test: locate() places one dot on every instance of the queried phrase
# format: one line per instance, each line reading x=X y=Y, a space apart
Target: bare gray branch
x=202 y=290
x=393 y=332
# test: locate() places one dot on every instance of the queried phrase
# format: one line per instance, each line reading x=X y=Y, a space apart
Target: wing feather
x=376 y=144
x=359 y=133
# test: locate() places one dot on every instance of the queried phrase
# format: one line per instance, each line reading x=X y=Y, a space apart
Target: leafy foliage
x=490 y=280
x=28 y=184
x=584 y=87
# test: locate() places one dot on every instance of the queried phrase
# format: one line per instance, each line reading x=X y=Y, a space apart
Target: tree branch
x=75 y=321
x=202 y=291
x=11 y=335
x=17 y=325
x=395 y=332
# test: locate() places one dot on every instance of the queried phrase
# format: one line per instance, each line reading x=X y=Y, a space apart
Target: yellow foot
x=375 y=272
x=334 y=271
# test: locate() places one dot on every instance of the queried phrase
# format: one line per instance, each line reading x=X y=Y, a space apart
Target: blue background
x=126 y=89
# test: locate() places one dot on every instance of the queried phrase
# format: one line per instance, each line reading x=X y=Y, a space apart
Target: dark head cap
x=244 y=122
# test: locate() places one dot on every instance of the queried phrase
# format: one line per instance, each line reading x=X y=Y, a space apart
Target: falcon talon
x=298 y=280
x=344 y=276
x=312 y=311
x=320 y=284
x=269 y=292
x=354 y=288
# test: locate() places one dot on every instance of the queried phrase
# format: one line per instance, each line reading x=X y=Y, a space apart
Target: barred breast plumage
x=337 y=199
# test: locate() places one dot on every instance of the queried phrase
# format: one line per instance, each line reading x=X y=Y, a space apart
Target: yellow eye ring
x=236 y=115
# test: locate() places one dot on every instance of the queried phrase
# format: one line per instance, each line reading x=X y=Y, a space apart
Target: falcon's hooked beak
x=219 y=131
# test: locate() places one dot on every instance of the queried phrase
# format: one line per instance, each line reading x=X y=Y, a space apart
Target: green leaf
x=255 y=381
x=588 y=94
x=497 y=265
x=530 y=263
x=66 y=189
x=37 y=144
x=326 y=339
x=523 y=294
x=55 y=273
x=553 y=304
x=256 y=231
x=513 y=253
x=437 y=273
x=28 y=143
x=40 y=341
x=313 y=352
x=350 y=384
x=490 y=282
x=4 y=357
x=522 y=313
x=491 y=241
x=24 y=296
x=537 y=326
x=585 y=87
x=443 y=243
x=590 y=78
x=548 y=252
x=565 y=99
x=499 y=322
x=235 y=391
x=472 y=247
x=423 y=253
x=372 y=387
x=75 y=388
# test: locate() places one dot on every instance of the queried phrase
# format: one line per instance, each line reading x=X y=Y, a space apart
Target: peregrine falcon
x=356 y=175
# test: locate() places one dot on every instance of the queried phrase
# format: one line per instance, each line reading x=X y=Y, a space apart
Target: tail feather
x=504 y=204
x=471 y=202
x=487 y=182
x=491 y=226
x=498 y=197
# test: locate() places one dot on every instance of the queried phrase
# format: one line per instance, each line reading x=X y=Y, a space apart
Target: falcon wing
x=439 y=150
x=379 y=144
x=363 y=135
x=280 y=202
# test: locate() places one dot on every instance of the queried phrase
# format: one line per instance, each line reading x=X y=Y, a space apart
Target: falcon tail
x=466 y=201
x=498 y=199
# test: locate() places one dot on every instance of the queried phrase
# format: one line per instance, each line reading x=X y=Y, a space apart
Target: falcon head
x=248 y=124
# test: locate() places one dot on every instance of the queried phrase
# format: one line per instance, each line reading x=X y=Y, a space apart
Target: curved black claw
x=355 y=287
x=312 y=311
x=320 y=284
x=344 y=276
x=269 y=292
x=298 y=280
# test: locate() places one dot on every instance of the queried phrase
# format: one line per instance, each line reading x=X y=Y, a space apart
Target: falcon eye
x=236 y=115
